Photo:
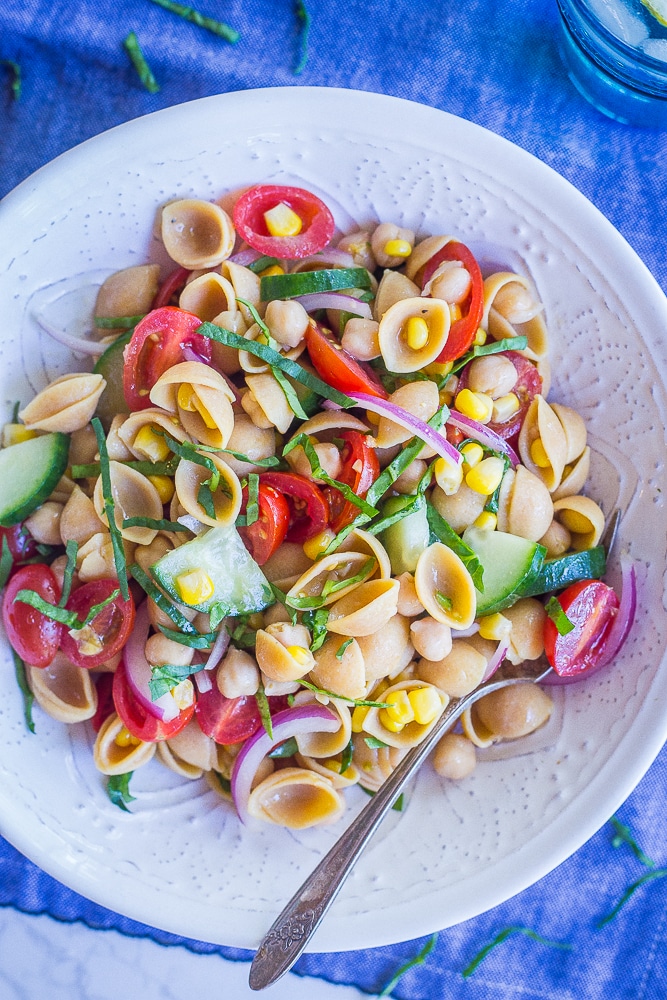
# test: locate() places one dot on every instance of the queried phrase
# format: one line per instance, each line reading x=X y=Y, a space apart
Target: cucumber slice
x=240 y=587
x=110 y=365
x=288 y=286
x=509 y=562
x=405 y=540
x=29 y=472
x=556 y=574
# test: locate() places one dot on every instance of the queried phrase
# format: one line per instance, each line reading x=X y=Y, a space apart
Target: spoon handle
x=293 y=929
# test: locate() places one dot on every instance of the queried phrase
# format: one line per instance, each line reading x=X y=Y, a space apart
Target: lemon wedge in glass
x=658 y=8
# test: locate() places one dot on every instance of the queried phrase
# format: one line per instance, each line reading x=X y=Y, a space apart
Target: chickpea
x=516 y=303
x=409 y=604
x=454 y=757
x=514 y=711
x=287 y=321
x=359 y=246
x=386 y=232
x=493 y=374
x=360 y=338
x=451 y=282
x=160 y=649
x=238 y=674
x=44 y=523
x=431 y=639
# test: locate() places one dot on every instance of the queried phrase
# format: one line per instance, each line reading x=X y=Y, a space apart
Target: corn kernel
x=359 y=714
x=164 y=486
x=480 y=337
x=315 y=546
x=302 y=656
x=494 y=627
x=438 y=369
x=538 y=454
x=574 y=521
x=486 y=476
x=486 y=521
x=183 y=694
x=473 y=454
x=268 y=272
x=476 y=405
x=397 y=248
x=150 y=444
x=454 y=312
x=400 y=710
x=448 y=476
x=281 y=220
x=426 y=704
x=505 y=407
x=372 y=418
x=416 y=333
x=189 y=401
x=15 y=434
x=194 y=587
x=390 y=724
x=124 y=738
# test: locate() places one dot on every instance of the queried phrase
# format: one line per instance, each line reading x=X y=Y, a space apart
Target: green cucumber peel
x=290 y=286
x=441 y=531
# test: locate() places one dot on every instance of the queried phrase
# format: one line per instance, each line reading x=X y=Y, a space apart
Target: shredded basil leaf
x=373 y=743
x=264 y=710
x=419 y=959
x=492 y=347
x=316 y=622
x=138 y=60
x=412 y=505
x=293 y=400
x=303 y=441
x=555 y=611
x=340 y=652
x=163 y=603
x=156 y=523
x=52 y=611
x=624 y=836
x=331 y=587
x=446 y=603
x=648 y=877
x=110 y=509
x=71 y=550
x=346 y=757
x=202 y=640
x=218 y=28
x=28 y=696
x=303 y=22
x=443 y=532
x=166 y=676
x=6 y=562
x=118 y=790
x=364 y=703
x=503 y=936
x=286 y=749
x=263 y=463
x=217 y=613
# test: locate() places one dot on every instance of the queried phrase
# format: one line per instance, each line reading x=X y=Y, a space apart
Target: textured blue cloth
x=494 y=63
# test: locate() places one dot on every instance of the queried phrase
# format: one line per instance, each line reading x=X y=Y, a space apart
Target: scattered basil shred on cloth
x=497 y=65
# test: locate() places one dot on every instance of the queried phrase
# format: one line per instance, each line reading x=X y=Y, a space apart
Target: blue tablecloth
x=496 y=64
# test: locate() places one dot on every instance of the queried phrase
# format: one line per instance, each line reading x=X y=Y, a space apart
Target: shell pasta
x=313 y=489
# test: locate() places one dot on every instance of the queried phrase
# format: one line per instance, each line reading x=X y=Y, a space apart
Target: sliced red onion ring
x=472 y=428
x=203 y=681
x=496 y=659
x=332 y=300
x=245 y=257
x=311 y=718
x=428 y=435
x=189 y=354
x=80 y=345
x=330 y=256
x=620 y=626
x=139 y=670
x=218 y=649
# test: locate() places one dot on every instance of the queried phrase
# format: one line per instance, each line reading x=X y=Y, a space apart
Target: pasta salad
x=312 y=489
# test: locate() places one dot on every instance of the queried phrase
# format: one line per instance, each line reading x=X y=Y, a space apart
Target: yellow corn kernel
x=448 y=476
x=372 y=418
x=124 y=738
x=389 y=723
x=268 y=272
x=505 y=407
x=315 y=546
x=487 y=521
x=476 y=405
x=575 y=522
x=15 y=433
x=454 y=312
x=426 y=704
x=485 y=477
x=189 y=401
x=397 y=248
x=194 y=587
x=495 y=627
x=183 y=694
x=473 y=454
x=416 y=333
x=281 y=220
x=400 y=710
x=302 y=655
x=539 y=455
x=359 y=714
x=438 y=369
x=480 y=337
x=152 y=445
x=164 y=486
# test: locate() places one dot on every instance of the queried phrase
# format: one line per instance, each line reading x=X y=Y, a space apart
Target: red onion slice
x=332 y=300
x=311 y=718
x=472 y=428
x=245 y=257
x=496 y=659
x=218 y=649
x=329 y=257
x=139 y=671
x=80 y=345
x=428 y=435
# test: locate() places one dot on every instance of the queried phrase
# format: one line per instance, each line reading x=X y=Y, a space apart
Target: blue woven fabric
x=496 y=64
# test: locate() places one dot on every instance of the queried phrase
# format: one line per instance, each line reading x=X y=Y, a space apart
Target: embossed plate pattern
x=181 y=861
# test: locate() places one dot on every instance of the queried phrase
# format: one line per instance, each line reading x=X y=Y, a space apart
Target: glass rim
x=656 y=67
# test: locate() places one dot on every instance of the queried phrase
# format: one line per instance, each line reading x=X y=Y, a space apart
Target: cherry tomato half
x=21 y=544
x=109 y=630
x=462 y=331
x=156 y=345
x=34 y=636
x=309 y=513
x=263 y=536
x=317 y=222
x=360 y=470
x=591 y=607
x=171 y=286
x=137 y=720
x=105 y=705
x=227 y=720
x=338 y=368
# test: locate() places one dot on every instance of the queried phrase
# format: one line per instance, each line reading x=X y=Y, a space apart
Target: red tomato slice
x=360 y=470
x=136 y=719
x=462 y=331
x=34 y=636
x=338 y=368
x=105 y=705
x=107 y=632
x=591 y=606
x=527 y=386
x=317 y=222
x=309 y=513
x=171 y=286
x=156 y=345
x=263 y=537
x=227 y=720
x=21 y=544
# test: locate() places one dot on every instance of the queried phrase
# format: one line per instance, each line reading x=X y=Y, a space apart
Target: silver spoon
x=291 y=932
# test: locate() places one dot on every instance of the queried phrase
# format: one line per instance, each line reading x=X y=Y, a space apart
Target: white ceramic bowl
x=180 y=860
